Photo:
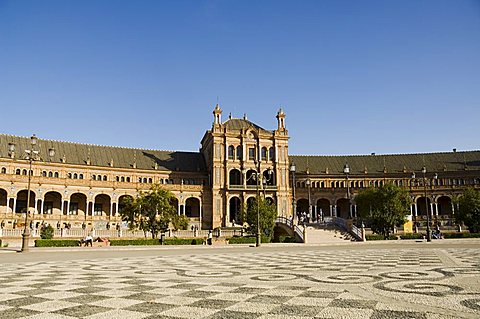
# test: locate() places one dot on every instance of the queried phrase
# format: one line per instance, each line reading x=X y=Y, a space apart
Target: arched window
x=231 y=151
x=94 y=177
x=24 y=172
x=122 y=179
x=150 y=180
x=50 y=174
x=271 y=154
x=239 y=152
x=44 y=173
x=128 y=179
x=104 y=177
x=99 y=177
x=69 y=175
x=145 y=180
x=56 y=174
x=80 y=176
x=17 y=171
x=235 y=177
x=117 y=178
x=139 y=179
x=264 y=153
x=4 y=170
x=75 y=176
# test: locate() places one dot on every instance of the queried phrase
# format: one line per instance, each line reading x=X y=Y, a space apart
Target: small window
x=94 y=177
x=122 y=179
x=44 y=173
x=231 y=151
x=264 y=153
x=56 y=174
x=104 y=177
x=251 y=153
x=239 y=152
x=128 y=179
x=271 y=154
x=24 y=172
x=69 y=175
x=80 y=176
x=150 y=180
x=117 y=178
x=4 y=170
x=99 y=177
x=50 y=174
x=139 y=179
x=17 y=171
x=75 y=176
x=145 y=180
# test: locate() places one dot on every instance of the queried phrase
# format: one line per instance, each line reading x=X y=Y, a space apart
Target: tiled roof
x=394 y=163
x=242 y=124
x=76 y=153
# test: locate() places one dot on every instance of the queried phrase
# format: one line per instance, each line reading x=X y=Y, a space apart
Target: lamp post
x=31 y=155
x=346 y=171
x=424 y=172
x=294 y=203
x=309 y=201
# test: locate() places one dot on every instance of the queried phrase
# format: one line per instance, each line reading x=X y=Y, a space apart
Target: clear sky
x=353 y=77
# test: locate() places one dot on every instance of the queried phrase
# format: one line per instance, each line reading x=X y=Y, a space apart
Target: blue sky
x=353 y=77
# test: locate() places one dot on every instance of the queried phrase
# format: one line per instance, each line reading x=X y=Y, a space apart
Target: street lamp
x=424 y=172
x=294 y=203
x=346 y=171
x=30 y=155
x=309 y=201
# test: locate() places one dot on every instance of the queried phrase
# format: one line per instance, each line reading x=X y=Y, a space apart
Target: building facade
x=83 y=186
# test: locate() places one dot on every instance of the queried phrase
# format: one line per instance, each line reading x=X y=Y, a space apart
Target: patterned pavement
x=369 y=283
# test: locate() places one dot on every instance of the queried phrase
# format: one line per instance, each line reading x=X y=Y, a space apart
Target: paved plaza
x=358 y=280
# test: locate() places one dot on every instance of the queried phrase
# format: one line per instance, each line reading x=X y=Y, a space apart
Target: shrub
x=46 y=232
x=150 y=242
x=247 y=240
x=380 y=237
x=461 y=235
x=1 y=243
x=411 y=236
x=183 y=241
x=56 y=242
x=134 y=242
x=287 y=239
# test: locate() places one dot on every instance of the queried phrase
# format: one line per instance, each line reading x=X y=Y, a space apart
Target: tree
x=268 y=213
x=180 y=222
x=385 y=207
x=150 y=211
x=469 y=210
x=46 y=232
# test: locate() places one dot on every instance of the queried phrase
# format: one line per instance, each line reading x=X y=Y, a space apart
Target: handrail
x=351 y=229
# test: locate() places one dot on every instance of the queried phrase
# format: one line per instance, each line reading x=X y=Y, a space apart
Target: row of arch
x=236 y=152
x=381 y=182
x=343 y=208
x=103 y=205
x=250 y=178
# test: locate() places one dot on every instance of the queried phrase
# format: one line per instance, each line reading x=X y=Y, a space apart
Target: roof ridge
x=396 y=154
x=98 y=145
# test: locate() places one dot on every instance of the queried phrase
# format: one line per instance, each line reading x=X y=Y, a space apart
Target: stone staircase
x=326 y=234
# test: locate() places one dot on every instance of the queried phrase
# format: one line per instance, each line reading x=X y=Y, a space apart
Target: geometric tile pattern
x=369 y=283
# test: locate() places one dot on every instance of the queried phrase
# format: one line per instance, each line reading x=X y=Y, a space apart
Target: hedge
x=134 y=242
x=183 y=241
x=380 y=237
x=57 y=242
x=411 y=236
x=150 y=242
x=1 y=243
x=247 y=240
x=461 y=235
